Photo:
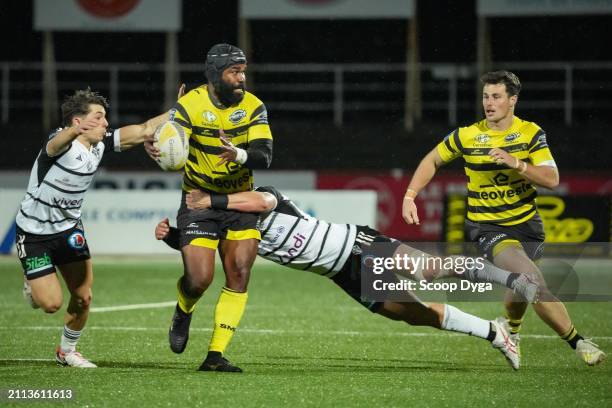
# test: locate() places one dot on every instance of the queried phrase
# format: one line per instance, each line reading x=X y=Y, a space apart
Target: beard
x=226 y=93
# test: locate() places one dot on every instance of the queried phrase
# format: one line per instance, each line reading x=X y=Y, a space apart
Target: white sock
x=69 y=339
x=458 y=321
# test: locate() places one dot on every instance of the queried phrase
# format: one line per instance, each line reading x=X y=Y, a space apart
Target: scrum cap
x=219 y=58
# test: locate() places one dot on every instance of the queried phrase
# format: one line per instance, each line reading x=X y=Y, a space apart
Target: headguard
x=219 y=58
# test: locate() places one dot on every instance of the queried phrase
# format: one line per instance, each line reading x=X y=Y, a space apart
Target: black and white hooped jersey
x=293 y=238
x=58 y=184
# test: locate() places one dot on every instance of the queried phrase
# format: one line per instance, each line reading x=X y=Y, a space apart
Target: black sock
x=492 y=332
x=572 y=337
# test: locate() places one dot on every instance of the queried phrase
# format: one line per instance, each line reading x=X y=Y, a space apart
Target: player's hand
x=150 y=148
x=87 y=125
x=500 y=156
x=229 y=150
x=181 y=91
x=162 y=229
x=197 y=200
x=409 y=212
x=95 y=134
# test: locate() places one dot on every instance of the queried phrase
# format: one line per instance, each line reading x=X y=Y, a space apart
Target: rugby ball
x=173 y=146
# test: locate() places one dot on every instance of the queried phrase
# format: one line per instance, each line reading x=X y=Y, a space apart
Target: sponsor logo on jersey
x=298 y=241
x=63 y=202
x=76 y=240
x=490 y=243
x=482 y=138
x=172 y=114
x=501 y=179
x=237 y=116
x=37 y=262
x=232 y=184
x=512 y=137
x=209 y=116
x=494 y=195
x=66 y=182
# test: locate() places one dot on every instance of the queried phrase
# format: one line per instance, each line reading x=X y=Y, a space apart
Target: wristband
x=241 y=155
x=524 y=166
x=409 y=196
x=218 y=201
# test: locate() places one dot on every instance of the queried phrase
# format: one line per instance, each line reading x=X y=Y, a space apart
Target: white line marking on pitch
x=295 y=332
x=132 y=307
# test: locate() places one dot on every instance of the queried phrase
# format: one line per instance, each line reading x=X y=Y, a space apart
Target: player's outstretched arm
x=422 y=176
x=246 y=201
x=134 y=135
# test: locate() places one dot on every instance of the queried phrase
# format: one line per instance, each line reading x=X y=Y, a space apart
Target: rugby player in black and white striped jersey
x=292 y=238
x=49 y=229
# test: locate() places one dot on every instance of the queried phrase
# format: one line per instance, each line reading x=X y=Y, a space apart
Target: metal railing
x=338 y=93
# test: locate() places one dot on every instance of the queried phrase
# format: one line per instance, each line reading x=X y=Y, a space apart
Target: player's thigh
x=513 y=258
x=238 y=255
x=47 y=292
x=199 y=263
x=238 y=258
x=78 y=276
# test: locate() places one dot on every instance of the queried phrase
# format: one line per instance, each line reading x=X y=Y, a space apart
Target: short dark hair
x=513 y=85
x=78 y=103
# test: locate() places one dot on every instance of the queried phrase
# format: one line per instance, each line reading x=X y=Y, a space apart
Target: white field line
x=290 y=332
x=137 y=306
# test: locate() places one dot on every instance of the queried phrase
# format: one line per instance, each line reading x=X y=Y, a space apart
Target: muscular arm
x=133 y=135
x=247 y=201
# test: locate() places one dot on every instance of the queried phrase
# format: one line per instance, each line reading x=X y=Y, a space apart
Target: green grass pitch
x=302 y=341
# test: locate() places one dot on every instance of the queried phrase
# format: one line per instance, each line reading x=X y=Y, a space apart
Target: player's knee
x=238 y=278
x=85 y=301
x=50 y=305
x=196 y=285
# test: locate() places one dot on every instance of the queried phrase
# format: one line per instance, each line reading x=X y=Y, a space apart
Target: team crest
x=237 y=116
x=209 y=116
x=482 y=138
x=512 y=137
x=76 y=240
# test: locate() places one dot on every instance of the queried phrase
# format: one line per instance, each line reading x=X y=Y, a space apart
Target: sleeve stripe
x=538 y=147
x=261 y=108
x=183 y=113
x=536 y=138
x=457 y=140
x=182 y=122
x=117 y=140
x=448 y=146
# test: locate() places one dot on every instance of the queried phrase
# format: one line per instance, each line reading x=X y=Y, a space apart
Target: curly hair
x=78 y=103
x=513 y=85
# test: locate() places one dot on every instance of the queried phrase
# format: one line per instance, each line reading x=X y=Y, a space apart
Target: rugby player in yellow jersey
x=229 y=136
x=504 y=157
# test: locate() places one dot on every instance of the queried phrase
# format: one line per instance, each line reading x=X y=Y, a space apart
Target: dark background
x=447 y=34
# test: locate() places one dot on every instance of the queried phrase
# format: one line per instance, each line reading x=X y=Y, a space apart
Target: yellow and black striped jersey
x=201 y=120
x=496 y=193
